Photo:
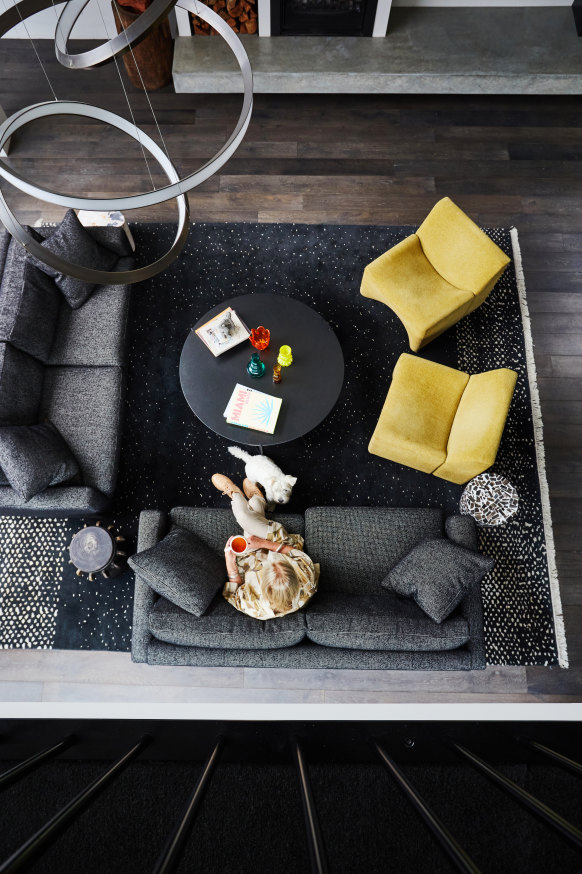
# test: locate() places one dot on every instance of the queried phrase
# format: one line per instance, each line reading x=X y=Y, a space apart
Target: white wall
x=89 y=26
x=481 y=2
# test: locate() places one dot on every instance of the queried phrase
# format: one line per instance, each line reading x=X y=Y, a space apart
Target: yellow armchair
x=442 y=421
x=437 y=275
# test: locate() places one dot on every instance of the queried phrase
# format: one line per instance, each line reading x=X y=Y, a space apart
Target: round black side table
x=309 y=387
x=94 y=549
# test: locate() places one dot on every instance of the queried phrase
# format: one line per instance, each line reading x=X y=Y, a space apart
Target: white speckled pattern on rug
x=168 y=455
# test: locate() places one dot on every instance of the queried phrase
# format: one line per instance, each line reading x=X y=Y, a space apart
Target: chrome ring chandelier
x=177 y=187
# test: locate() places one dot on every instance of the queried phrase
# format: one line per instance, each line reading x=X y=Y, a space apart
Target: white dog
x=266 y=473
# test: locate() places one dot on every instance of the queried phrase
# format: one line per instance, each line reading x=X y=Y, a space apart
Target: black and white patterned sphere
x=490 y=499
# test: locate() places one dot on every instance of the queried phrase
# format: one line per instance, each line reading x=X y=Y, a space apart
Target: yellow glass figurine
x=285 y=357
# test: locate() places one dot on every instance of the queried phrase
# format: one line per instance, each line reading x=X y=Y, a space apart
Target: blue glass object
x=256 y=367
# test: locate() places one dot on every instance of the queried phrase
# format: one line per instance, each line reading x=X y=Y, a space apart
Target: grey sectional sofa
x=69 y=371
x=356 y=547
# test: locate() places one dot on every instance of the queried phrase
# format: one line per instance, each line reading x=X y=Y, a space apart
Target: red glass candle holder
x=260 y=338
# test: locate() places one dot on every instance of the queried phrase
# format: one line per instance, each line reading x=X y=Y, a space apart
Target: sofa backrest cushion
x=29 y=307
x=21 y=383
x=357 y=546
x=215 y=526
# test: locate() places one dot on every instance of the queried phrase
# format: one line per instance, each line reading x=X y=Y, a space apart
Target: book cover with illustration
x=223 y=331
x=253 y=409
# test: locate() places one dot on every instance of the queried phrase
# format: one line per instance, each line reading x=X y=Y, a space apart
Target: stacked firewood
x=241 y=15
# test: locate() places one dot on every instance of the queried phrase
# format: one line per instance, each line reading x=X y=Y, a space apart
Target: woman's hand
x=230 y=559
x=261 y=543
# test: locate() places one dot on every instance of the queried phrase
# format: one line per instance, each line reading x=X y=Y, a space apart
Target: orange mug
x=238 y=545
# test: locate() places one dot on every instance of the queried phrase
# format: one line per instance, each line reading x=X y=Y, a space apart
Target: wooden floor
x=337 y=159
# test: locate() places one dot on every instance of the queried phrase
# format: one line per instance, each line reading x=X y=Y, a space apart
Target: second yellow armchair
x=441 y=420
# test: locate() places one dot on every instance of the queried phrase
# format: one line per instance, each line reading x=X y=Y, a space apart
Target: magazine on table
x=223 y=331
x=252 y=409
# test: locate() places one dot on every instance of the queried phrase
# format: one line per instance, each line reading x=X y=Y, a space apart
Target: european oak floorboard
x=375 y=159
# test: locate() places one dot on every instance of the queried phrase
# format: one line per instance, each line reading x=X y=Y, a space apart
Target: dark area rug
x=168 y=456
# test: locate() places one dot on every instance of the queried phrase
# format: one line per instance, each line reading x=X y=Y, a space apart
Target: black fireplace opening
x=322 y=17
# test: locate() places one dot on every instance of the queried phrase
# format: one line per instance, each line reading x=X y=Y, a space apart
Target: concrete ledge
x=426 y=51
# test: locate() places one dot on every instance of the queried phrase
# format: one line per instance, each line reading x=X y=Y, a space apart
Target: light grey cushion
x=34 y=457
x=224 y=627
x=182 y=569
x=437 y=574
x=21 y=385
x=93 y=334
x=29 y=309
x=75 y=243
x=84 y=403
x=214 y=526
x=357 y=546
x=379 y=622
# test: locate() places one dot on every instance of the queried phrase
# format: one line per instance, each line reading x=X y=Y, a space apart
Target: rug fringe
x=559 y=628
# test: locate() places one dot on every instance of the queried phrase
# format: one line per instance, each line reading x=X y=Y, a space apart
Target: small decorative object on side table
x=277 y=373
x=260 y=338
x=256 y=367
x=94 y=549
x=490 y=499
x=285 y=356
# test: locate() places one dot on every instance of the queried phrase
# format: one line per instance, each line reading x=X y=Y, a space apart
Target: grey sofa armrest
x=462 y=530
x=152 y=527
x=59 y=500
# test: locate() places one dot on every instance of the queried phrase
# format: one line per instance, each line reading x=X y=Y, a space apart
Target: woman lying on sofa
x=273 y=576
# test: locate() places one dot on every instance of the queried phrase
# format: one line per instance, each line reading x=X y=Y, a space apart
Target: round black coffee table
x=309 y=387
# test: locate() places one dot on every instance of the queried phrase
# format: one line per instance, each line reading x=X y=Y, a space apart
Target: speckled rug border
x=168 y=455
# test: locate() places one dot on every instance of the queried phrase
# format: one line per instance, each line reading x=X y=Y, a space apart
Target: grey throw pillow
x=437 y=574
x=183 y=569
x=34 y=457
x=29 y=310
x=74 y=243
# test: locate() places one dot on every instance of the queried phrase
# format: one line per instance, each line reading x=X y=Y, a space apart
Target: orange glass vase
x=260 y=338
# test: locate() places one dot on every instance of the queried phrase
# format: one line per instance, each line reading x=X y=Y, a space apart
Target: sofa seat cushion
x=84 y=404
x=21 y=386
x=224 y=627
x=380 y=622
x=93 y=334
x=29 y=308
x=357 y=546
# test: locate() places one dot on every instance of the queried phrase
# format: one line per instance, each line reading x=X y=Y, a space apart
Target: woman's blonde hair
x=279 y=583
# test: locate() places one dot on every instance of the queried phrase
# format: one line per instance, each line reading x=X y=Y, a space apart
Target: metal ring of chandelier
x=149 y=198
x=115 y=47
x=88 y=274
x=177 y=187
